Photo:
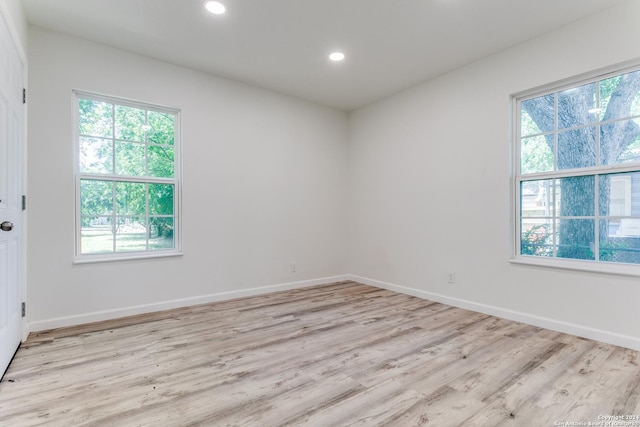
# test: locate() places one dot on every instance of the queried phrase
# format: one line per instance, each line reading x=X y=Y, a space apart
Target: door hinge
x=24 y=202
x=24 y=95
x=24 y=309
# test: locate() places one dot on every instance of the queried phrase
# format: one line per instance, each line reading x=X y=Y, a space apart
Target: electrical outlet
x=293 y=267
x=452 y=278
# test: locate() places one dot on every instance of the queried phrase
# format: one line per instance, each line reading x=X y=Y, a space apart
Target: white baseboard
x=543 y=322
x=61 y=322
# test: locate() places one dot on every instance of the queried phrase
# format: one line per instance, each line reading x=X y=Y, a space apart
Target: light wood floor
x=332 y=355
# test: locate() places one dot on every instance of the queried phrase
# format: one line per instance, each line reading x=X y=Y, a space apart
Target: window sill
x=579 y=265
x=126 y=257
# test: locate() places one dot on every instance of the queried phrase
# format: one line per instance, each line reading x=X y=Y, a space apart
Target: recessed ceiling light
x=336 y=56
x=215 y=7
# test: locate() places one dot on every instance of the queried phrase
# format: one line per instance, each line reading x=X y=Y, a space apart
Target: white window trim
x=623 y=269
x=177 y=180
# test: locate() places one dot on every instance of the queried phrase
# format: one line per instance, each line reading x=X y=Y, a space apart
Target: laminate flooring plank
x=504 y=370
x=292 y=406
x=370 y=406
x=412 y=363
x=446 y=369
x=442 y=407
x=531 y=385
x=498 y=413
x=594 y=396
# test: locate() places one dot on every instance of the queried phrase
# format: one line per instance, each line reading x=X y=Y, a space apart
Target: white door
x=11 y=131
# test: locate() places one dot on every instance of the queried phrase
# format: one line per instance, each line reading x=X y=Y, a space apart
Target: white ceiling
x=283 y=45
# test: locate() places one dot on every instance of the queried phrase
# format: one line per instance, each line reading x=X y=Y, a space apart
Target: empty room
x=319 y=213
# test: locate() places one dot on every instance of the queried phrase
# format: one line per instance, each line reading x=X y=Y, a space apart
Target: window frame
x=598 y=266
x=176 y=181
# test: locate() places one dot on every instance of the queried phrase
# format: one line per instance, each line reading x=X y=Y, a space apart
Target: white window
x=127 y=179
x=578 y=172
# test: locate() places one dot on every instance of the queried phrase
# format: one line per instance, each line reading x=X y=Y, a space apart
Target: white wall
x=430 y=188
x=264 y=185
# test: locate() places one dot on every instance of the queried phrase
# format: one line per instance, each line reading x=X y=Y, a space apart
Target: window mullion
x=608 y=169
x=114 y=217
x=113 y=139
x=597 y=126
x=125 y=178
x=146 y=218
x=556 y=215
x=596 y=180
x=555 y=132
x=554 y=218
x=596 y=234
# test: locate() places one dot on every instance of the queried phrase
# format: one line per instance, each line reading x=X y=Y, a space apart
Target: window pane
x=131 y=198
x=626 y=227
x=577 y=148
x=625 y=96
x=622 y=242
x=160 y=161
x=576 y=196
x=537 y=115
x=536 y=198
x=96 y=197
x=95 y=118
x=161 y=233
x=620 y=142
x=131 y=234
x=631 y=153
x=577 y=106
x=130 y=123
x=161 y=128
x=576 y=239
x=536 y=154
x=536 y=237
x=95 y=155
x=160 y=199
x=96 y=235
x=130 y=159
x=619 y=194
